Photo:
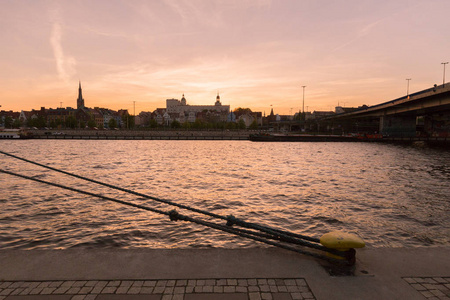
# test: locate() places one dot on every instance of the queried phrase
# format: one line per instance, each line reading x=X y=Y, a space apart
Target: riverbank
x=251 y=135
x=142 y=134
x=383 y=273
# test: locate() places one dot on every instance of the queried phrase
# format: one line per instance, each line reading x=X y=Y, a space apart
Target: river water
x=390 y=195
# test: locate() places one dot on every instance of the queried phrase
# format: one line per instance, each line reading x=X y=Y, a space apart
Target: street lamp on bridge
x=443 y=81
x=407 y=89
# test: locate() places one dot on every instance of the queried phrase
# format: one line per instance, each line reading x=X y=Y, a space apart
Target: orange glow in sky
x=256 y=53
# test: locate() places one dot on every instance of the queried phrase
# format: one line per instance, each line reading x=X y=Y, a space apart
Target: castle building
x=181 y=107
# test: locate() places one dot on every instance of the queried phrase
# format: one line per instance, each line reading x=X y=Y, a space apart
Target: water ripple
x=390 y=195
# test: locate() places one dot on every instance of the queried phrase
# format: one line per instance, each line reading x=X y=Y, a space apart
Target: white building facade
x=188 y=112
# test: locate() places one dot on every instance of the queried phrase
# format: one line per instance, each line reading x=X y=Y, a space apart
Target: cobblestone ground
x=432 y=288
x=250 y=289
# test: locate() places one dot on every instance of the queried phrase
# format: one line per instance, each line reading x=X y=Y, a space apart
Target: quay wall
x=143 y=134
x=209 y=135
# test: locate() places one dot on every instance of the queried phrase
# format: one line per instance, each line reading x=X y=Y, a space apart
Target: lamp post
x=443 y=81
x=407 y=88
x=134 y=114
x=303 y=109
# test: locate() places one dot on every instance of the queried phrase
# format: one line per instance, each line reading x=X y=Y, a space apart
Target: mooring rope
x=85 y=192
x=266 y=232
x=231 y=220
x=175 y=216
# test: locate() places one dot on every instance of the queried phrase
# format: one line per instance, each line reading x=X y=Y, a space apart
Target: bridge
x=425 y=113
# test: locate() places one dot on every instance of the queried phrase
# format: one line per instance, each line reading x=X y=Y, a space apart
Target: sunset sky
x=255 y=53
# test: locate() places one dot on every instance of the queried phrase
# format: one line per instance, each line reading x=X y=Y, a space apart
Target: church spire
x=80 y=100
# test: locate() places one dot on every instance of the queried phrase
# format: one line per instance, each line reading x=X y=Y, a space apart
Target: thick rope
x=175 y=216
x=116 y=187
x=86 y=193
x=231 y=220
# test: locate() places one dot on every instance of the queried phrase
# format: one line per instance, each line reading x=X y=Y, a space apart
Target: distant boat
x=13 y=134
x=274 y=137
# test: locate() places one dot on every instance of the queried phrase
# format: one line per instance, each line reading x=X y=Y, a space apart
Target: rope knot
x=174 y=215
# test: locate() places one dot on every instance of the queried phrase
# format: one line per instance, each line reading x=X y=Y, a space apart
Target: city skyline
x=258 y=54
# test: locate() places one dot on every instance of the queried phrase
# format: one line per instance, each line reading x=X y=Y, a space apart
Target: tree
x=186 y=125
x=231 y=126
x=71 y=122
x=220 y=125
x=112 y=123
x=38 y=122
x=16 y=123
x=58 y=122
x=198 y=124
x=254 y=125
x=152 y=123
x=30 y=122
x=8 y=122
x=242 y=111
x=128 y=121
x=175 y=124
x=241 y=124
x=91 y=123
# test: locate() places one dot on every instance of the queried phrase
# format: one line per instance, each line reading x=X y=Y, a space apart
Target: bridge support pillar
x=398 y=126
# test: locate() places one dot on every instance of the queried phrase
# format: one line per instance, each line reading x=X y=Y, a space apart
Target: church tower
x=80 y=100
x=218 y=100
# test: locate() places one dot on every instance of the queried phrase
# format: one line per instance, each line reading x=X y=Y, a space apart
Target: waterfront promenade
x=235 y=274
x=143 y=134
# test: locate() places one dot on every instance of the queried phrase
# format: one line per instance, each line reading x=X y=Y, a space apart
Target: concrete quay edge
x=380 y=273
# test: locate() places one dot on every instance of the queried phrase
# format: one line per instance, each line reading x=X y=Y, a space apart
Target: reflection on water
x=389 y=195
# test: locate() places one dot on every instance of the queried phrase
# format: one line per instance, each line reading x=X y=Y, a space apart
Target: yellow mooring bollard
x=341 y=241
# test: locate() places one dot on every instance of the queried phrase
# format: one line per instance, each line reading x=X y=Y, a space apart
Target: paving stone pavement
x=432 y=288
x=182 y=289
